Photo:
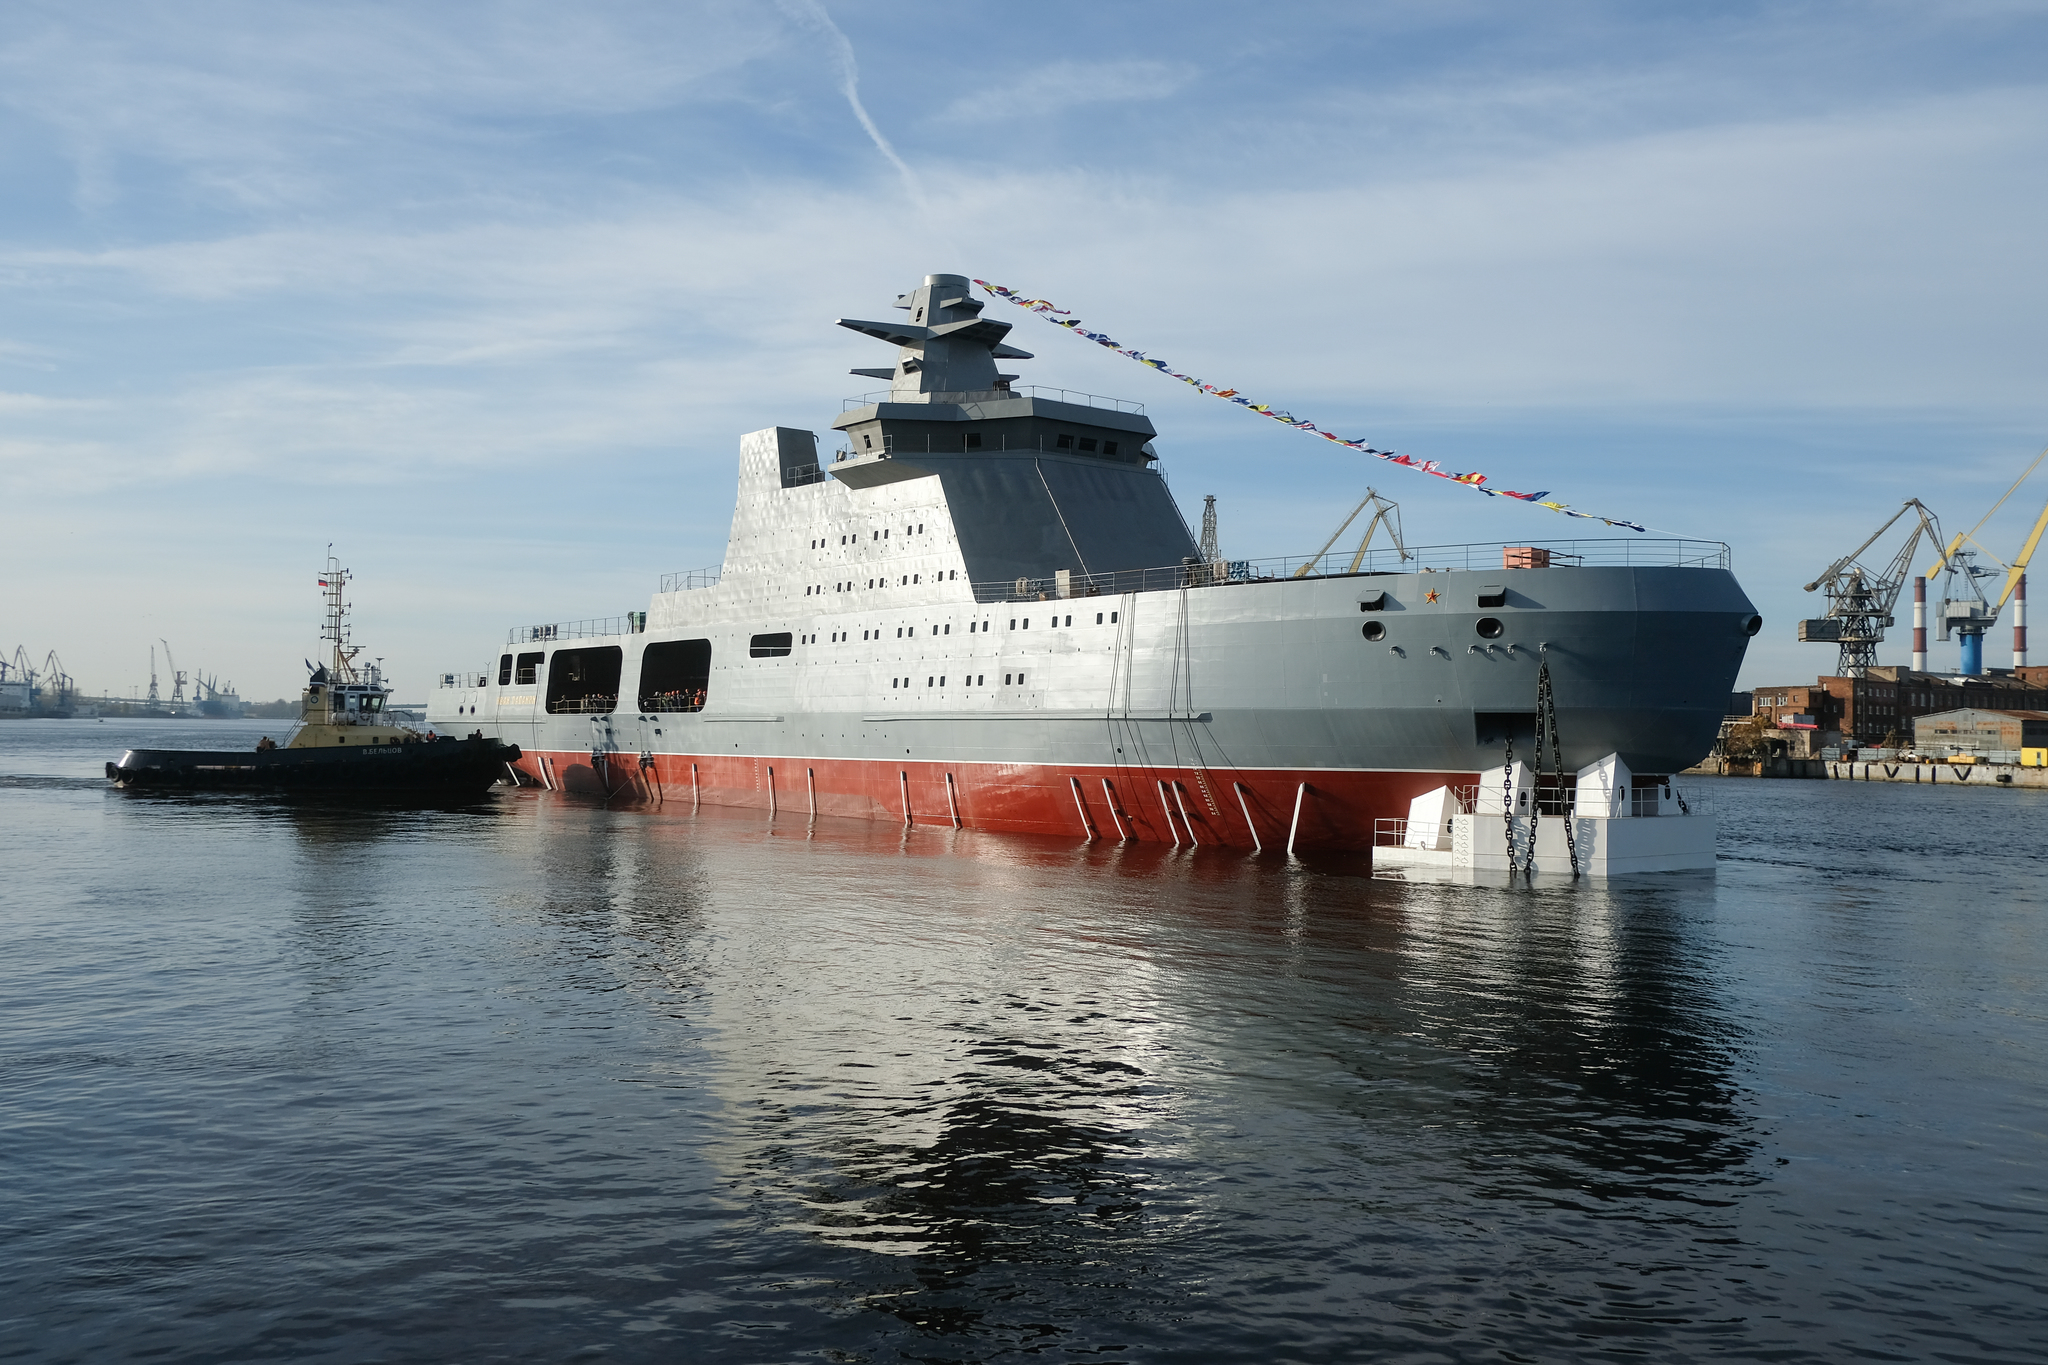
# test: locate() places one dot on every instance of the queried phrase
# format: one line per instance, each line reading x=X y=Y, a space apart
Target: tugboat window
x=585 y=681
x=529 y=669
x=504 y=670
x=771 y=646
x=675 y=675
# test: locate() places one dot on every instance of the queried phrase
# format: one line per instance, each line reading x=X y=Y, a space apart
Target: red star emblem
x=1429 y=596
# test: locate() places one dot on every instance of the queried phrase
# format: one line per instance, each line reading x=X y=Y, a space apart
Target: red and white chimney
x=1919 y=625
x=2019 y=623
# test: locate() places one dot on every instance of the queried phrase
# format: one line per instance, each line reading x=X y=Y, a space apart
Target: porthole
x=1375 y=631
x=1489 y=627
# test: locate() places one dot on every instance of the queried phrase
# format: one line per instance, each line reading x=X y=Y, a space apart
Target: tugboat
x=342 y=743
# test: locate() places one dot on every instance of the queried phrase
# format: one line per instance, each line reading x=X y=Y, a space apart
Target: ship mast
x=335 y=628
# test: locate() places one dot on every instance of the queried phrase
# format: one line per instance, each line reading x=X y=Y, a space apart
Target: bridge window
x=585 y=681
x=1064 y=443
x=529 y=669
x=674 y=675
x=974 y=440
x=504 y=670
x=1087 y=443
x=1109 y=447
x=774 y=645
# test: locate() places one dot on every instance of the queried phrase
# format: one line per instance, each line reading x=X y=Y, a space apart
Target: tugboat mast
x=335 y=628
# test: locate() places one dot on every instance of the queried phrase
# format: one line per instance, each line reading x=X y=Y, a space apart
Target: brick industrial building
x=1869 y=710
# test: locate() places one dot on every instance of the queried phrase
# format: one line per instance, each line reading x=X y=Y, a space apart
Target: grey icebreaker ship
x=984 y=609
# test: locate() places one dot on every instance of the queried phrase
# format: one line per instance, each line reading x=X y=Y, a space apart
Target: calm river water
x=536 y=1080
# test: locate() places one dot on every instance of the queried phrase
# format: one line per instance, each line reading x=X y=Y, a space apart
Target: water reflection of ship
x=1432 y=1055
x=1595 y=1041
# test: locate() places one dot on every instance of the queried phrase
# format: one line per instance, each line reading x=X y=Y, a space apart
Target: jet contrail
x=812 y=14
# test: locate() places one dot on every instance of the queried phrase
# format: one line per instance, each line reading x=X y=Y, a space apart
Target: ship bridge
x=1037 y=481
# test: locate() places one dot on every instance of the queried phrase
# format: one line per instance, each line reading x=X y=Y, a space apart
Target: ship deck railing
x=461 y=678
x=1075 y=396
x=1489 y=556
x=688 y=580
x=597 y=705
x=631 y=623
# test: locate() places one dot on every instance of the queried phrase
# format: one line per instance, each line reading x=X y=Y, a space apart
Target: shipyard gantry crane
x=1971 y=615
x=1860 y=599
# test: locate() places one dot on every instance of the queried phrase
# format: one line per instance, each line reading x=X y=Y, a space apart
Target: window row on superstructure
x=675 y=675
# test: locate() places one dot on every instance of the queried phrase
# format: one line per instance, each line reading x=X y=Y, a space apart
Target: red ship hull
x=1323 y=810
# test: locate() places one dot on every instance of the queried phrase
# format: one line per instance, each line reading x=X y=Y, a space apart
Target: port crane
x=1860 y=599
x=1970 y=616
x=55 y=678
x=177 y=674
x=1386 y=512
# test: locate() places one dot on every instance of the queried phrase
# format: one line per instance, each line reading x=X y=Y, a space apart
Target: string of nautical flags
x=1060 y=317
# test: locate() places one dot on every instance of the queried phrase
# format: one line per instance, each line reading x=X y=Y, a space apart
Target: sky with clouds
x=485 y=294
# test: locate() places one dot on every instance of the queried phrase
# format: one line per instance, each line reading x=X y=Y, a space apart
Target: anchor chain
x=1546 y=722
x=1507 y=812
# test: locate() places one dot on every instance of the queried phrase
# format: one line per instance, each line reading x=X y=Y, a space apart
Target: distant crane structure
x=1860 y=599
x=1970 y=616
x=56 y=680
x=1386 y=512
x=177 y=675
x=51 y=690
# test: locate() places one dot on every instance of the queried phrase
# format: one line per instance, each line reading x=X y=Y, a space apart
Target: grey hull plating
x=1244 y=675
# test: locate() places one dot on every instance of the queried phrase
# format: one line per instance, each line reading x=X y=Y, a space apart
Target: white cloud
x=1057 y=87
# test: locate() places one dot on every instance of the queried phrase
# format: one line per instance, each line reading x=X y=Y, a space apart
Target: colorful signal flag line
x=1060 y=317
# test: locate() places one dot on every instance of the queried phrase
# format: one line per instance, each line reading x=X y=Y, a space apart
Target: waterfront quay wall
x=1926 y=774
x=1942 y=774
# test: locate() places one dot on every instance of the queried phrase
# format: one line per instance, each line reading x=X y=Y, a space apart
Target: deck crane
x=1860 y=599
x=1972 y=615
x=1386 y=513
